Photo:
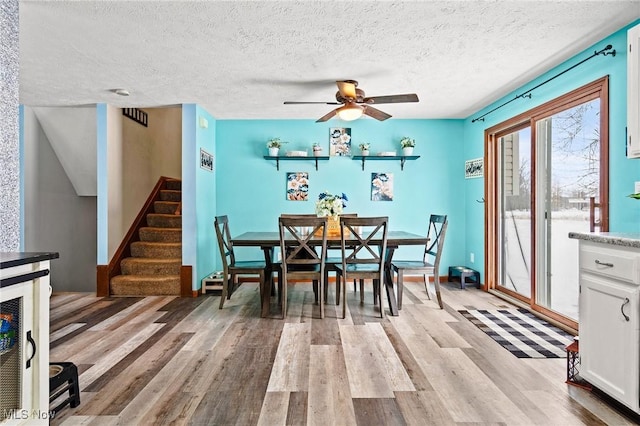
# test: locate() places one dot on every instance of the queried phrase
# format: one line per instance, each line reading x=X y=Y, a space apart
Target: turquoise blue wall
x=199 y=246
x=624 y=212
x=206 y=241
x=253 y=193
x=190 y=163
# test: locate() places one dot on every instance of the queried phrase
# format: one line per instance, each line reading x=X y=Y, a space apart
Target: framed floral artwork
x=297 y=186
x=381 y=186
x=340 y=141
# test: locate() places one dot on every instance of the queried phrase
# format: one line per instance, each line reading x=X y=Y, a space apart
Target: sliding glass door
x=548 y=178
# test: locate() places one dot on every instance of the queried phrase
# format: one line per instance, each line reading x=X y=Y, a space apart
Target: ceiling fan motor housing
x=359 y=97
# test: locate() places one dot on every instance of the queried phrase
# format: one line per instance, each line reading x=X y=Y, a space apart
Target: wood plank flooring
x=182 y=361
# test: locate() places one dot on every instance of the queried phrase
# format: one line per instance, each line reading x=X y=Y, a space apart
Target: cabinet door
x=609 y=352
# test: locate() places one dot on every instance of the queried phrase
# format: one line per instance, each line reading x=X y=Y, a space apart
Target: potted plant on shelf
x=364 y=148
x=274 y=145
x=407 y=145
x=317 y=149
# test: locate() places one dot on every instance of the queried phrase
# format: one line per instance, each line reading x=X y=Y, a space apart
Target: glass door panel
x=515 y=213
x=568 y=184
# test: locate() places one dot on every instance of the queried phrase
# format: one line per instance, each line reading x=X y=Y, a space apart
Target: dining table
x=268 y=240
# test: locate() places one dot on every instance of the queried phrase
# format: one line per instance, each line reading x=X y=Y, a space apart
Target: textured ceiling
x=241 y=60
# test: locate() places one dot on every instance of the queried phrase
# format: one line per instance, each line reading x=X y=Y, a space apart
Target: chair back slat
x=298 y=240
x=435 y=235
x=223 y=235
x=363 y=240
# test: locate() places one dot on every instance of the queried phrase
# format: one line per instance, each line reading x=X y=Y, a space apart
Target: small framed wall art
x=340 y=141
x=474 y=168
x=206 y=160
x=381 y=186
x=297 y=186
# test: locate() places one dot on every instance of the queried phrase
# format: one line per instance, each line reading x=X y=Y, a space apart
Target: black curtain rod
x=527 y=94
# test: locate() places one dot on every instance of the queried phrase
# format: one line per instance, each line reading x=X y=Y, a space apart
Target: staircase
x=156 y=259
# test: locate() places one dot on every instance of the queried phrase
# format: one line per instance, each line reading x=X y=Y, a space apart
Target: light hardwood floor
x=166 y=360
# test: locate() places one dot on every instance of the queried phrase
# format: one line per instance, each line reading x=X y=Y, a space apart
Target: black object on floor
x=60 y=382
x=465 y=274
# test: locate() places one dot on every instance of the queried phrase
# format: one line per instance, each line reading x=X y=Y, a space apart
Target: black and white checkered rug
x=521 y=333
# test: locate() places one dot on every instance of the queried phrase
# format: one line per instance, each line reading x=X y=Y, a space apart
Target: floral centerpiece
x=331 y=206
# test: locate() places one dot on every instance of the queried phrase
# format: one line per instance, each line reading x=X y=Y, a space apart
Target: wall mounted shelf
x=402 y=158
x=278 y=158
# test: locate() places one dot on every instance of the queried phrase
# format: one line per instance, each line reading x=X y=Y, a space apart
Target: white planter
x=365 y=152
x=407 y=150
x=273 y=152
x=317 y=153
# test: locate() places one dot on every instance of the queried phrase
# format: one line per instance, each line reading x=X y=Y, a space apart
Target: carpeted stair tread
x=170 y=195
x=174 y=184
x=157 y=250
x=165 y=207
x=156 y=260
x=156 y=220
x=166 y=235
x=145 y=285
x=150 y=266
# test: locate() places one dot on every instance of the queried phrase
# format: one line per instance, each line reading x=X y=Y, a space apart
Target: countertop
x=11 y=259
x=631 y=239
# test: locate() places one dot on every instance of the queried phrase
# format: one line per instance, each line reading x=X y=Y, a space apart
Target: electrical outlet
x=636 y=186
x=472 y=257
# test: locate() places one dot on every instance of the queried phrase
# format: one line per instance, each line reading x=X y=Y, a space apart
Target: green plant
x=317 y=147
x=407 y=142
x=364 y=146
x=275 y=143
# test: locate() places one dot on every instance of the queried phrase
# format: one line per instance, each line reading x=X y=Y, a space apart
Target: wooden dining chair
x=363 y=242
x=330 y=266
x=430 y=263
x=300 y=259
x=233 y=268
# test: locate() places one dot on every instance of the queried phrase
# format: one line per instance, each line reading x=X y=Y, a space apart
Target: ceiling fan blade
x=391 y=99
x=376 y=113
x=347 y=89
x=305 y=103
x=327 y=116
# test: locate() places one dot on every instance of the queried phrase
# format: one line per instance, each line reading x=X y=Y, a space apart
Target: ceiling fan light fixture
x=350 y=112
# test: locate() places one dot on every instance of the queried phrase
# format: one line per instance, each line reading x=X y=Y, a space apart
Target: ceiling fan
x=354 y=103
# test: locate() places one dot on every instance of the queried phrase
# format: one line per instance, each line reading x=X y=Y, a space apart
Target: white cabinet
x=633 y=92
x=610 y=320
x=24 y=338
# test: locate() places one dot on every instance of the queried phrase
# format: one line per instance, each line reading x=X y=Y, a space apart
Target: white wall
x=55 y=218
